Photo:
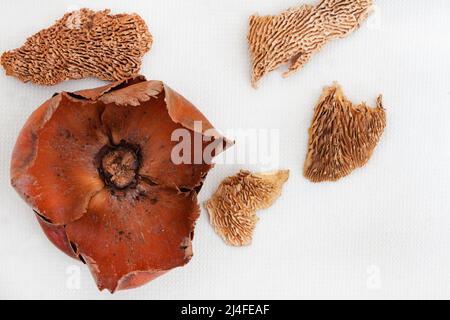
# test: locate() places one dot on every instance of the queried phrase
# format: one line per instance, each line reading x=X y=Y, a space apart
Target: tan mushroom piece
x=342 y=136
x=232 y=208
x=293 y=36
x=82 y=44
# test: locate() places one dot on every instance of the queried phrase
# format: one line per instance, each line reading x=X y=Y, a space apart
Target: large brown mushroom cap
x=96 y=167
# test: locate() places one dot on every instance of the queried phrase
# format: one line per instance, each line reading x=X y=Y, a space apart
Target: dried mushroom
x=82 y=44
x=97 y=168
x=293 y=36
x=232 y=208
x=342 y=136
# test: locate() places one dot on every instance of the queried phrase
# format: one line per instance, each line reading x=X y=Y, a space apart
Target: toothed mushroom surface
x=293 y=36
x=342 y=136
x=96 y=166
x=232 y=208
x=81 y=44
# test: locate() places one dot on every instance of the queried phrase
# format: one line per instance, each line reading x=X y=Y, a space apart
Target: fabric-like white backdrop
x=382 y=232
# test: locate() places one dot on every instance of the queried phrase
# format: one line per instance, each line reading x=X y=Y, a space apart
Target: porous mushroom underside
x=82 y=44
x=140 y=227
x=293 y=36
x=232 y=208
x=342 y=136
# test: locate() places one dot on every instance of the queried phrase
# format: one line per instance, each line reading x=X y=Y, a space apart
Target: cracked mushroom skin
x=232 y=208
x=96 y=168
x=295 y=35
x=342 y=136
x=82 y=44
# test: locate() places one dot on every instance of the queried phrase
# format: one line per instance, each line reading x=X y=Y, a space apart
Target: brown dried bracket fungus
x=293 y=36
x=232 y=208
x=82 y=44
x=96 y=167
x=342 y=136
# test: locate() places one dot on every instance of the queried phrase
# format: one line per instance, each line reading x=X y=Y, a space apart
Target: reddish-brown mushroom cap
x=138 y=124
x=57 y=235
x=147 y=229
x=96 y=167
x=52 y=165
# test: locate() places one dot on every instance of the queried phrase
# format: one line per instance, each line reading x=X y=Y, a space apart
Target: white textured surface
x=382 y=232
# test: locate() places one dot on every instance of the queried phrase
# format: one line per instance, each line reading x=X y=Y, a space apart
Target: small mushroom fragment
x=82 y=44
x=232 y=208
x=96 y=166
x=342 y=136
x=293 y=36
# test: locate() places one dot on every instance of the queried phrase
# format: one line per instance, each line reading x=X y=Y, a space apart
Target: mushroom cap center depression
x=119 y=165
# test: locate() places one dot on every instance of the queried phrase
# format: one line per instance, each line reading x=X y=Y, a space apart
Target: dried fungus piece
x=82 y=44
x=232 y=208
x=293 y=36
x=96 y=166
x=342 y=136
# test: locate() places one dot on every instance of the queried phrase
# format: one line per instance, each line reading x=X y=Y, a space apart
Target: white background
x=382 y=232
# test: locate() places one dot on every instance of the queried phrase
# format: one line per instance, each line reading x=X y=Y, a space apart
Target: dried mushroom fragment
x=82 y=44
x=293 y=36
x=96 y=166
x=342 y=136
x=232 y=208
